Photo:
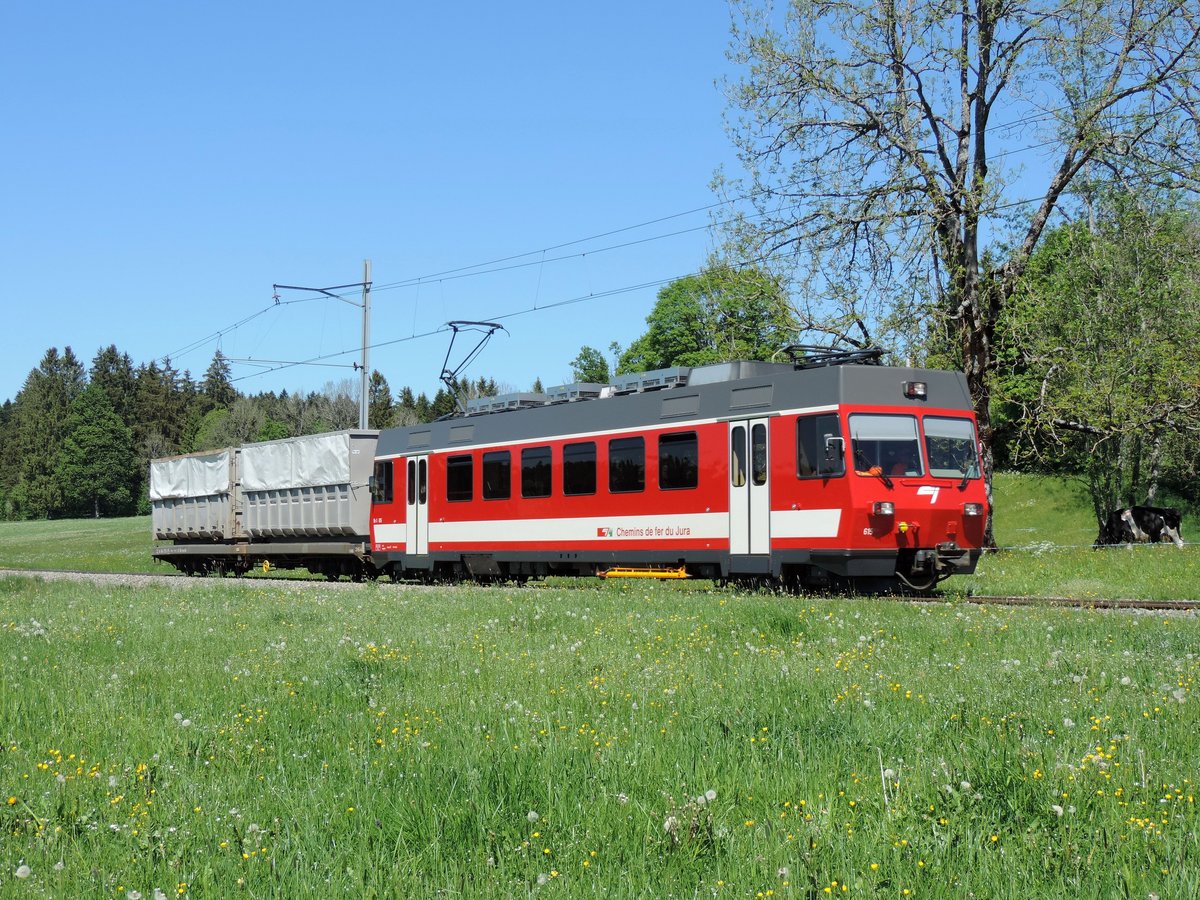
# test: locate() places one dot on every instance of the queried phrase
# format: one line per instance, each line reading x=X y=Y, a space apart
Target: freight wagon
x=296 y=503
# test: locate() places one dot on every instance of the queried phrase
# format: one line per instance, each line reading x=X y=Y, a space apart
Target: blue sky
x=164 y=164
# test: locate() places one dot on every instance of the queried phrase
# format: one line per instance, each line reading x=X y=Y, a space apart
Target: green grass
x=216 y=739
x=88 y=545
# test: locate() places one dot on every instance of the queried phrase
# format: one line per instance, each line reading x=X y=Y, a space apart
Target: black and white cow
x=1142 y=525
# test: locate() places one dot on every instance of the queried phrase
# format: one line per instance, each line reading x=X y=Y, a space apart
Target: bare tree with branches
x=904 y=157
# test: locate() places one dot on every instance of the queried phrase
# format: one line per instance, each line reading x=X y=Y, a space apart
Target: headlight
x=883 y=508
x=972 y=509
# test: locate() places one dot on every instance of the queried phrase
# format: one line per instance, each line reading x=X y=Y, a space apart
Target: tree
x=722 y=313
x=162 y=403
x=590 y=366
x=39 y=418
x=112 y=371
x=379 y=402
x=874 y=138
x=1102 y=335
x=336 y=406
x=10 y=461
x=96 y=468
x=217 y=389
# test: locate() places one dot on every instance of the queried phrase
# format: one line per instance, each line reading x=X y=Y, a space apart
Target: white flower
x=134 y=895
x=1058 y=810
x=543 y=878
x=532 y=817
x=965 y=785
x=23 y=871
x=783 y=872
x=671 y=825
x=159 y=895
x=622 y=799
x=710 y=795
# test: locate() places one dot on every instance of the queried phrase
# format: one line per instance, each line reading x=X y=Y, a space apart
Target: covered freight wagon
x=300 y=502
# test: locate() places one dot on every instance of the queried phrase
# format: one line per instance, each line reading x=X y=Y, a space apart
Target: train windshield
x=886 y=445
x=951 y=446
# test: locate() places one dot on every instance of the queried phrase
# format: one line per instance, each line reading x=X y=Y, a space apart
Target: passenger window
x=535 y=472
x=626 y=465
x=819 y=447
x=678 y=461
x=460 y=471
x=497 y=475
x=381 y=484
x=412 y=482
x=737 y=456
x=579 y=468
x=758 y=454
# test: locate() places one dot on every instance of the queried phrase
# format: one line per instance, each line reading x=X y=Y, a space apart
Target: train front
x=916 y=485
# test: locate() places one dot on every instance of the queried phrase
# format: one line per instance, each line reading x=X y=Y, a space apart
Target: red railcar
x=802 y=474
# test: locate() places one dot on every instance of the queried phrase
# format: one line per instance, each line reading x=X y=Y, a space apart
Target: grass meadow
x=273 y=738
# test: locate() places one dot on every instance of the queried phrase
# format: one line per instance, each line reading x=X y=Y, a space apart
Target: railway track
x=133 y=578
x=1092 y=602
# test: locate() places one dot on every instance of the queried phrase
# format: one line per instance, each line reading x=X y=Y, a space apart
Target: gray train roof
x=755 y=389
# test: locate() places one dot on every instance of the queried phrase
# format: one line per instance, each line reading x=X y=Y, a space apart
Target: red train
x=805 y=473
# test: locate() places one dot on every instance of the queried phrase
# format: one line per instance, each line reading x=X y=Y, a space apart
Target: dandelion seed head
x=532 y=816
x=1058 y=810
x=23 y=871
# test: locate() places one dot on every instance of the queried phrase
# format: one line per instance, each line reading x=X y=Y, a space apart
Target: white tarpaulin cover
x=312 y=461
x=189 y=476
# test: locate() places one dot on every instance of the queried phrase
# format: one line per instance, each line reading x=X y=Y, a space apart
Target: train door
x=417 y=505
x=749 y=488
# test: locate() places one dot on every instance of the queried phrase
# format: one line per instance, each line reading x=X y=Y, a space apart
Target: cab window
x=886 y=445
x=951 y=447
